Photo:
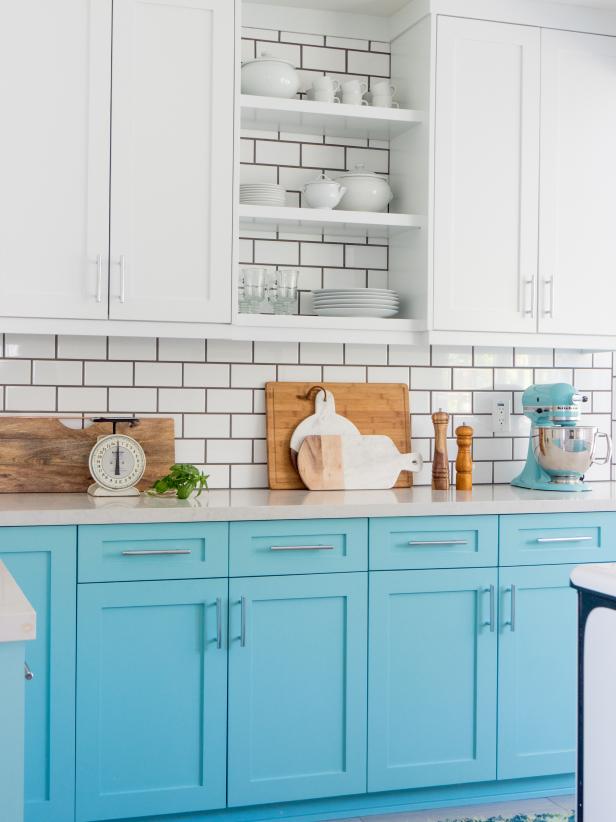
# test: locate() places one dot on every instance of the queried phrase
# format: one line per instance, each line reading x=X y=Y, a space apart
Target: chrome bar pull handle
x=549 y=310
x=417 y=542
x=492 y=609
x=301 y=547
x=122 y=278
x=28 y=675
x=219 y=622
x=563 y=539
x=243 y=623
x=490 y=623
x=150 y=552
x=511 y=622
x=530 y=311
x=99 y=278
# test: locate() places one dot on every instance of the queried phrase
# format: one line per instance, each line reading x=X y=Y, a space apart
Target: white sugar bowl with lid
x=323 y=192
x=365 y=191
x=270 y=77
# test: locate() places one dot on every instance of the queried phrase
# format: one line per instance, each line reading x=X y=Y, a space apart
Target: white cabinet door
x=486 y=176
x=55 y=60
x=577 y=227
x=172 y=160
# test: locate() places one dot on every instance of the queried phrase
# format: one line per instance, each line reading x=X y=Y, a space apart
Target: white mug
x=322 y=96
x=325 y=84
x=354 y=100
x=384 y=101
x=383 y=88
x=354 y=87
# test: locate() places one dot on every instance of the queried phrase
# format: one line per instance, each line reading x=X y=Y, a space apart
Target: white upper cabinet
x=54 y=158
x=172 y=160
x=577 y=262
x=486 y=176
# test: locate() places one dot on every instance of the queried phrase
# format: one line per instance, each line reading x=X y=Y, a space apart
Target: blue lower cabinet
x=432 y=678
x=297 y=687
x=43 y=562
x=537 y=672
x=151 y=698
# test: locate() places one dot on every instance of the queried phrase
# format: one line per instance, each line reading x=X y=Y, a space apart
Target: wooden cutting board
x=40 y=454
x=375 y=408
x=329 y=462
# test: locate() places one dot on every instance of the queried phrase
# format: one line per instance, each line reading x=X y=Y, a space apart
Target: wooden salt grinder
x=464 y=460
x=440 y=463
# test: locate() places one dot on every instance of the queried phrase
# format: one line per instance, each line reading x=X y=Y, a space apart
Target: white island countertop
x=259 y=504
x=17 y=616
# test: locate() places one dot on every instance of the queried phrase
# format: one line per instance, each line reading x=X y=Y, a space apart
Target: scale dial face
x=117 y=462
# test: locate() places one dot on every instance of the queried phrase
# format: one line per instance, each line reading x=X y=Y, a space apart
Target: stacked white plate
x=268 y=194
x=355 y=302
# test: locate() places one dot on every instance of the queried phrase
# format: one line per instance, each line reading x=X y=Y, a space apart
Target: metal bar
x=154 y=553
x=28 y=673
x=219 y=622
x=492 y=610
x=512 y=623
x=564 y=539
x=243 y=623
x=301 y=547
x=438 y=542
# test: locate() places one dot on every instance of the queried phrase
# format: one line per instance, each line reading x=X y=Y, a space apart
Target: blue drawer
x=540 y=539
x=298 y=547
x=433 y=542
x=162 y=550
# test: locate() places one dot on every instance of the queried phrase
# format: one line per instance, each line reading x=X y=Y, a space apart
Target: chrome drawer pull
x=28 y=673
x=438 y=542
x=243 y=623
x=301 y=547
x=219 y=622
x=564 y=539
x=511 y=622
x=166 y=552
x=491 y=622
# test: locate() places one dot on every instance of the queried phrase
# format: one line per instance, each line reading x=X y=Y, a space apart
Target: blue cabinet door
x=537 y=679
x=297 y=687
x=432 y=678
x=151 y=698
x=43 y=560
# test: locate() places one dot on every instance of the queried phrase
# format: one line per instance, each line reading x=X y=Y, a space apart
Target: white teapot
x=323 y=192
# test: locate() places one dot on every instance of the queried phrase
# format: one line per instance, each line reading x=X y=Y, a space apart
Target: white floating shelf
x=326 y=119
x=320 y=220
x=330 y=329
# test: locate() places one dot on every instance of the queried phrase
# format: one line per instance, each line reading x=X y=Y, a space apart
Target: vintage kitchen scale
x=117 y=462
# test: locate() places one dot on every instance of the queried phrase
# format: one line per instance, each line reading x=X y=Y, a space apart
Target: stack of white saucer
x=355 y=302
x=267 y=194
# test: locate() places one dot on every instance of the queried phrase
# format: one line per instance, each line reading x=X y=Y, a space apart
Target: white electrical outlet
x=501 y=416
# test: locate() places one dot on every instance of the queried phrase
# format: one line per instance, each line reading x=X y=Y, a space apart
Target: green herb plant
x=183 y=479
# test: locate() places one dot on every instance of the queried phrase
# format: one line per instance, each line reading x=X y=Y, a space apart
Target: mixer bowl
x=566 y=453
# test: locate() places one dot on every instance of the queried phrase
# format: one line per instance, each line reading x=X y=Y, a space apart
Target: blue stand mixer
x=560 y=450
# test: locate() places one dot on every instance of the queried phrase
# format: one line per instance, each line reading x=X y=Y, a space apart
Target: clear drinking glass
x=283 y=290
x=252 y=289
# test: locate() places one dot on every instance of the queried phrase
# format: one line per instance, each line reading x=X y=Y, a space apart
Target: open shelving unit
x=321 y=220
x=325 y=119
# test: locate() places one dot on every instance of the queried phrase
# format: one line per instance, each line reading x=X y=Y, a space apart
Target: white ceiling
x=382 y=8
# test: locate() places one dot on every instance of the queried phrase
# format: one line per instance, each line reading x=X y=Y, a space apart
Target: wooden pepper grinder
x=464 y=460
x=440 y=463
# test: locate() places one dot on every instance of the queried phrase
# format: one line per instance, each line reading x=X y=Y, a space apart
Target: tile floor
x=557 y=804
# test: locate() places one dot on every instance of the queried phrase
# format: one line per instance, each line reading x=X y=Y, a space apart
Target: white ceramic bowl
x=270 y=77
x=323 y=192
x=365 y=191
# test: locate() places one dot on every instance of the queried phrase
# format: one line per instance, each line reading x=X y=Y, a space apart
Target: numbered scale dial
x=117 y=463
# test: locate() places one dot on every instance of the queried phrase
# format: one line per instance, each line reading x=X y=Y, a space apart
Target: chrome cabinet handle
x=99 y=278
x=511 y=622
x=243 y=623
x=563 y=539
x=219 y=622
x=530 y=312
x=301 y=547
x=122 y=278
x=491 y=621
x=549 y=311
x=438 y=542
x=150 y=552
x=28 y=673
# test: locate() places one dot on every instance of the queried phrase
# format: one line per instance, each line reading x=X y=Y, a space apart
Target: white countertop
x=17 y=616
x=258 y=504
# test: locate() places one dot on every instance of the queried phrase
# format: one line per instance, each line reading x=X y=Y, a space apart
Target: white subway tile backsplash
x=54 y=372
x=344 y=373
x=388 y=373
x=29 y=345
x=454 y=402
x=229 y=400
x=248 y=426
x=158 y=373
x=323 y=59
x=493 y=357
x=409 y=355
x=320 y=156
x=248 y=476
x=181 y=399
x=305 y=39
x=111 y=373
x=276 y=152
x=207 y=425
x=282 y=51
x=252 y=376
x=596 y=379
x=456 y=355
x=132 y=348
x=321 y=353
x=344 y=278
x=347 y=43
x=544 y=375
x=206 y=375
x=276 y=352
x=29 y=398
x=366 y=354
x=191 y=451
x=366 y=256
x=572 y=358
x=276 y=252
x=229 y=351
x=231 y=451
x=299 y=373
x=473 y=378
x=431 y=378
x=492 y=449
x=322 y=254
x=181 y=350
x=132 y=400
x=81 y=348
x=510 y=378
x=373 y=159
x=17 y=372
x=375 y=64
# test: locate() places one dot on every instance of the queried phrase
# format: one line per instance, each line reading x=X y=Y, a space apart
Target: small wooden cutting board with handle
x=329 y=462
